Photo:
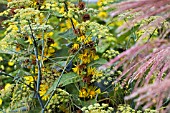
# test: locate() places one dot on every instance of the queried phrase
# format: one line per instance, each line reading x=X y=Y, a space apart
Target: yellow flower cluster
x=43 y=87
x=88 y=92
x=88 y=56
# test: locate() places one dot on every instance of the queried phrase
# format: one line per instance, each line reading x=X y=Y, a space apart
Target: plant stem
x=39 y=65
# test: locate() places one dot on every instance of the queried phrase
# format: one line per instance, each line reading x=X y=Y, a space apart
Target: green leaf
x=101 y=49
x=69 y=34
x=89 y=102
x=65 y=80
x=100 y=61
x=20 y=72
x=124 y=36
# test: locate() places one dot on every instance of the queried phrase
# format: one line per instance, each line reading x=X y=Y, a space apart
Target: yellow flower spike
x=47 y=35
x=0 y=101
x=45 y=97
x=92 y=94
x=93 y=55
x=62 y=25
x=11 y=63
x=75 y=22
x=119 y=23
x=7 y=86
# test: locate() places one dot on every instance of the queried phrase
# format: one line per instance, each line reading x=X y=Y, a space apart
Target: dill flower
x=98 y=109
x=12 y=28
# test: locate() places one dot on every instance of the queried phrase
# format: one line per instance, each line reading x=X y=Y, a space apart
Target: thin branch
x=39 y=65
x=66 y=7
x=19 y=80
